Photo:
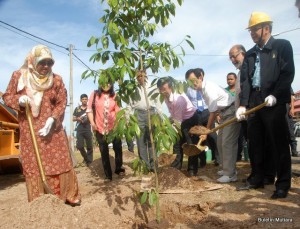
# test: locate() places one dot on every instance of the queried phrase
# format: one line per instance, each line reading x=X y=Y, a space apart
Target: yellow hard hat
x=258 y=18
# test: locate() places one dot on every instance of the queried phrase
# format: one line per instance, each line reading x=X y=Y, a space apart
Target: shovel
x=36 y=150
x=192 y=150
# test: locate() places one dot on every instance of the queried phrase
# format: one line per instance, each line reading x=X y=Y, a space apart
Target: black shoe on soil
x=280 y=193
x=248 y=186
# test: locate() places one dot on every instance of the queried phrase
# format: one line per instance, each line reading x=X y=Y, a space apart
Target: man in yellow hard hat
x=266 y=76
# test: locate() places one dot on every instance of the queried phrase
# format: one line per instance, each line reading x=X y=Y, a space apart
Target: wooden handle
x=200 y=146
x=36 y=150
x=235 y=119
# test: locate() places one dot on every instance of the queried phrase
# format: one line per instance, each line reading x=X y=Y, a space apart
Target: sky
x=214 y=27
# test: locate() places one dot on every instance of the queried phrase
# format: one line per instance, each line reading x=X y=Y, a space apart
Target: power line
x=31 y=39
x=285 y=31
x=33 y=35
x=81 y=61
x=17 y=33
x=85 y=50
x=60 y=46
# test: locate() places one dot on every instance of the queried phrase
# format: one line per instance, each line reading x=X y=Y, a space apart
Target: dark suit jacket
x=277 y=71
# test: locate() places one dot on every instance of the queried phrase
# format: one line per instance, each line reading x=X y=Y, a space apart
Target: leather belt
x=199 y=112
x=225 y=108
x=256 y=89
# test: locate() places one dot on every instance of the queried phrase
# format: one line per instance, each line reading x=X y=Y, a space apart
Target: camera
x=84 y=118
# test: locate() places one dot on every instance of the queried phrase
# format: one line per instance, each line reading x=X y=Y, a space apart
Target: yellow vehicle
x=9 y=140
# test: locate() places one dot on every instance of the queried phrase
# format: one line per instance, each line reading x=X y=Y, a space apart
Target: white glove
x=271 y=101
x=23 y=99
x=239 y=114
x=46 y=129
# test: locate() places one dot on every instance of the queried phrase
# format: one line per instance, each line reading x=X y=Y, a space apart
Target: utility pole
x=71 y=99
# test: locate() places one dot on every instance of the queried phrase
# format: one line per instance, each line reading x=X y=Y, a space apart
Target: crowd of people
x=266 y=73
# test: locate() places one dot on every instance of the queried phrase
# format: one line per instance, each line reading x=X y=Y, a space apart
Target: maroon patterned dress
x=53 y=148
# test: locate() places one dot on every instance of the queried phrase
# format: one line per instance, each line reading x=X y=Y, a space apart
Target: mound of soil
x=184 y=202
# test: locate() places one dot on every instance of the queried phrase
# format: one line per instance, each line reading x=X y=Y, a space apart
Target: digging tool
x=36 y=150
x=191 y=149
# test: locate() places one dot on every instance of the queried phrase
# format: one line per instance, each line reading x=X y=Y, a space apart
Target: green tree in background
x=125 y=47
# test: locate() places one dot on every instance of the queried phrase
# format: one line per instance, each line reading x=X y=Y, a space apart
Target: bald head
x=236 y=55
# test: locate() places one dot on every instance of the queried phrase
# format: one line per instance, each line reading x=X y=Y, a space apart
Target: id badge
x=200 y=103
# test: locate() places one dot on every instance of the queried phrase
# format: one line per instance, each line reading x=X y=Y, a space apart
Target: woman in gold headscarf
x=36 y=84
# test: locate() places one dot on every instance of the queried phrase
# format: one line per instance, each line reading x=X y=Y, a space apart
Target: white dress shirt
x=216 y=97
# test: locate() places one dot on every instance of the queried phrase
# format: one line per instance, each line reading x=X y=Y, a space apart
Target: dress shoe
x=192 y=173
x=221 y=172
x=120 y=172
x=280 y=193
x=73 y=204
x=269 y=181
x=296 y=154
x=202 y=165
x=227 y=179
x=248 y=186
x=107 y=179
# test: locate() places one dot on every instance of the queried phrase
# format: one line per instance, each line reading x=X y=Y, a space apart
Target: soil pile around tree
x=185 y=202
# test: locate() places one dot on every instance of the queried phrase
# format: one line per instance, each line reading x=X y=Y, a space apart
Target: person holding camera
x=83 y=131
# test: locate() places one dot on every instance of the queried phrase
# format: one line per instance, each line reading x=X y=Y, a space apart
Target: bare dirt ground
x=185 y=202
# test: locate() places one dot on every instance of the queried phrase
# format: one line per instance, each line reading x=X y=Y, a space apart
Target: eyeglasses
x=254 y=29
x=234 y=56
x=46 y=63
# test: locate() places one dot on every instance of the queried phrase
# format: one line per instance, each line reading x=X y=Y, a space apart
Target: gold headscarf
x=34 y=83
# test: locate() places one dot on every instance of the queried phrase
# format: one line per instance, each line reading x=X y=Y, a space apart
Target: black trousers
x=185 y=138
x=293 y=140
x=269 y=143
x=87 y=137
x=202 y=119
x=104 y=150
x=177 y=149
x=186 y=125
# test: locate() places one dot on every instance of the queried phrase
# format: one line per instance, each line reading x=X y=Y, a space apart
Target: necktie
x=200 y=106
x=256 y=76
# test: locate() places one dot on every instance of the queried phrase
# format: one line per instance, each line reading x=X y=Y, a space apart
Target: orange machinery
x=9 y=140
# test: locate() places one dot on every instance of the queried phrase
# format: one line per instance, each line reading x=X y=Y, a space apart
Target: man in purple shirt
x=183 y=111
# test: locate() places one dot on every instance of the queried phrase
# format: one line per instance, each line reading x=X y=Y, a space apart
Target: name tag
x=200 y=103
